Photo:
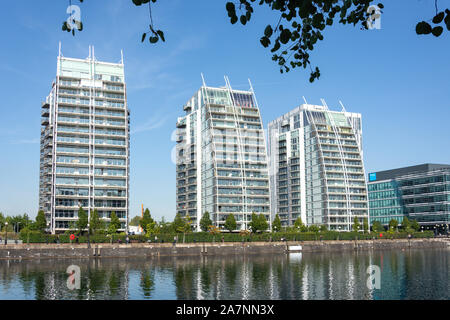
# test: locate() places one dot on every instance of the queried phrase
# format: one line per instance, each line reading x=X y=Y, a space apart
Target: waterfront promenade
x=104 y=250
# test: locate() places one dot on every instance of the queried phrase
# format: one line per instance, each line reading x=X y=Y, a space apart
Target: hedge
x=37 y=237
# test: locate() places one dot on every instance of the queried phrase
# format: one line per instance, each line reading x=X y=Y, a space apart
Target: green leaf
x=268 y=31
x=161 y=35
x=285 y=36
x=143 y=36
x=265 y=42
x=438 y=18
x=243 y=19
x=233 y=19
x=230 y=7
x=137 y=2
x=153 y=39
x=423 y=28
x=437 y=31
x=276 y=46
x=447 y=20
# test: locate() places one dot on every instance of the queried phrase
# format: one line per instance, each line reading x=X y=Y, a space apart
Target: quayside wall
x=51 y=251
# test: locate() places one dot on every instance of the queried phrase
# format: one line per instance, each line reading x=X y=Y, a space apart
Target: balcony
x=45 y=112
x=181 y=123
x=44 y=121
x=187 y=108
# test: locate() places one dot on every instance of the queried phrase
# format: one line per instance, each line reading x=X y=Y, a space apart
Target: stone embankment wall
x=48 y=251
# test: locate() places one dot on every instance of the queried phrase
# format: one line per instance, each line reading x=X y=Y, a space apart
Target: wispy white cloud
x=26 y=141
x=152 y=123
x=155 y=73
x=9 y=69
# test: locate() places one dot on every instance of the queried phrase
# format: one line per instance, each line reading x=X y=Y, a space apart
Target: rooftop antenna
x=59 y=51
x=93 y=53
x=324 y=103
x=253 y=92
x=121 y=56
x=342 y=105
x=203 y=79
x=251 y=87
x=304 y=99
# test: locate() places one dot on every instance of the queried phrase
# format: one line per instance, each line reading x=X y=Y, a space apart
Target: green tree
x=2 y=221
x=377 y=226
x=356 y=224
x=415 y=225
x=254 y=223
x=230 y=223
x=41 y=221
x=82 y=221
x=313 y=228
x=178 y=224
x=323 y=228
x=393 y=224
x=187 y=223
x=276 y=224
x=258 y=223
x=406 y=224
x=135 y=221
x=300 y=226
x=205 y=222
x=152 y=228
x=114 y=224
x=366 y=225
x=301 y=25
x=95 y=223
x=263 y=222
x=146 y=220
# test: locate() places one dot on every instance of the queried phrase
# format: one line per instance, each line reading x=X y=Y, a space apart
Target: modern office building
x=316 y=167
x=84 y=158
x=420 y=192
x=221 y=157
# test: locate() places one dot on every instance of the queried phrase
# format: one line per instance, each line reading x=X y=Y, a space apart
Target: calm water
x=410 y=274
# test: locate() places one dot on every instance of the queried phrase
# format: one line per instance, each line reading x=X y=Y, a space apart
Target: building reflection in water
x=408 y=274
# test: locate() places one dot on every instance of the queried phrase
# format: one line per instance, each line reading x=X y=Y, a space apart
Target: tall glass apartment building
x=84 y=159
x=221 y=157
x=419 y=193
x=316 y=167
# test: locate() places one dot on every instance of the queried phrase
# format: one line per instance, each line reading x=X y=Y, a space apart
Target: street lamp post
x=89 y=238
x=6 y=233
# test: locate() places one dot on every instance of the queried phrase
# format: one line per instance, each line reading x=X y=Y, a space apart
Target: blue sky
x=399 y=81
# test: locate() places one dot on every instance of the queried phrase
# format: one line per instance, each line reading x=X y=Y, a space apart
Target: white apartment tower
x=221 y=157
x=316 y=167
x=85 y=142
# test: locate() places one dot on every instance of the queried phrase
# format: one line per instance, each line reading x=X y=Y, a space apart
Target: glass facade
x=221 y=158
x=423 y=196
x=316 y=168
x=84 y=143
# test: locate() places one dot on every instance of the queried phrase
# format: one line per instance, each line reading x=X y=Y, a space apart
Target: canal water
x=403 y=274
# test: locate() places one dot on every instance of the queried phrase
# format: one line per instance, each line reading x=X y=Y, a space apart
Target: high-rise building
x=221 y=157
x=316 y=167
x=84 y=158
x=420 y=193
